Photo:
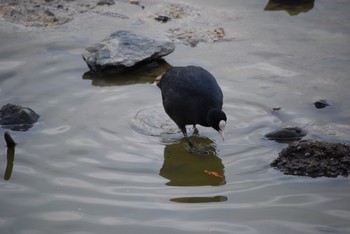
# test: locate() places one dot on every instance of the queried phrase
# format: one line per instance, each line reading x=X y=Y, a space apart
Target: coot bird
x=191 y=95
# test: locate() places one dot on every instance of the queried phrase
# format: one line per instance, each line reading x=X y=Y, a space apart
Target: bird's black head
x=217 y=119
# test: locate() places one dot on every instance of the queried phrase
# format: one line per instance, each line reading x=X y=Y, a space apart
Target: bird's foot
x=195 y=131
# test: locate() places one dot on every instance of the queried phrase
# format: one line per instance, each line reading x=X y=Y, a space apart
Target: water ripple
x=122 y=176
x=295 y=200
x=128 y=158
x=71 y=182
x=153 y=121
x=83 y=142
x=60 y=216
x=342 y=214
x=11 y=187
x=274 y=70
x=56 y=130
x=283 y=226
x=10 y=65
x=6 y=221
x=209 y=226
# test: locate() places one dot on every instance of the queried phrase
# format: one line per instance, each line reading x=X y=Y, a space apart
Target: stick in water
x=9 y=141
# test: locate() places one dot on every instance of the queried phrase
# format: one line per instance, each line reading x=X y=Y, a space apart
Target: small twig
x=9 y=141
x=10 y=159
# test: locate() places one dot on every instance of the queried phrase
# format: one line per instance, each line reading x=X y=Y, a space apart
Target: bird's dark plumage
x=191 y=95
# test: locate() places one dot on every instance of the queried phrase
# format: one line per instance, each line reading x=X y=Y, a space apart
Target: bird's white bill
x=222 y=125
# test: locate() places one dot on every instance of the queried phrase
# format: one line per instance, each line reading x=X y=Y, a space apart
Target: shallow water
x=105 y=158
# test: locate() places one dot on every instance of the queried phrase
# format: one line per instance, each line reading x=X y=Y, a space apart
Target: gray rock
x=17 y=117
x=123 y=50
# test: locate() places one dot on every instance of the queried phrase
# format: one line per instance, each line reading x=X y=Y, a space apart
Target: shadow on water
x=140 y=75
x=199 y=167
x=199 y=199
x=293 y=7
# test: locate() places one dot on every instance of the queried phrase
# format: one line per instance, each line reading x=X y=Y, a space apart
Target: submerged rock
x=288 y=134
x=314 y=159
x=162 y=18
x=123 y=50
x=17 y=117
x=321 y=104
x=106 y=2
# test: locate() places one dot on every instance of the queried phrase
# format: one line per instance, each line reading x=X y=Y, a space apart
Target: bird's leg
x=195 y=130
x=190 y=143
x=183 y=130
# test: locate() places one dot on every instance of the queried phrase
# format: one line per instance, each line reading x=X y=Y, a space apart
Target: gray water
x=105 y=158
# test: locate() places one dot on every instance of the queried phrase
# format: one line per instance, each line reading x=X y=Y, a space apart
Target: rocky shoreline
x=47 y=13
x=54 y=13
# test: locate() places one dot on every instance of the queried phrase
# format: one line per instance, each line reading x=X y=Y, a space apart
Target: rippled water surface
x=105 y=158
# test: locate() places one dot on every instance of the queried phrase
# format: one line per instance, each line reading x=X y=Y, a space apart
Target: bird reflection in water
x=193 y=167
x=293 y=7
x=198 y=167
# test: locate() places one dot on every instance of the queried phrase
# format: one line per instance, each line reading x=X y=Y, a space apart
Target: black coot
x=191 y=95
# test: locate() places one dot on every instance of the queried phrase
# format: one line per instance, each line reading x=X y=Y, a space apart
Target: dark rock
x=162 y=18
x=17 y=118
x=276 y=108
x=123 y=50
x=106 y=2
x=321 y=104
x=288 y=134
x=314 y=159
